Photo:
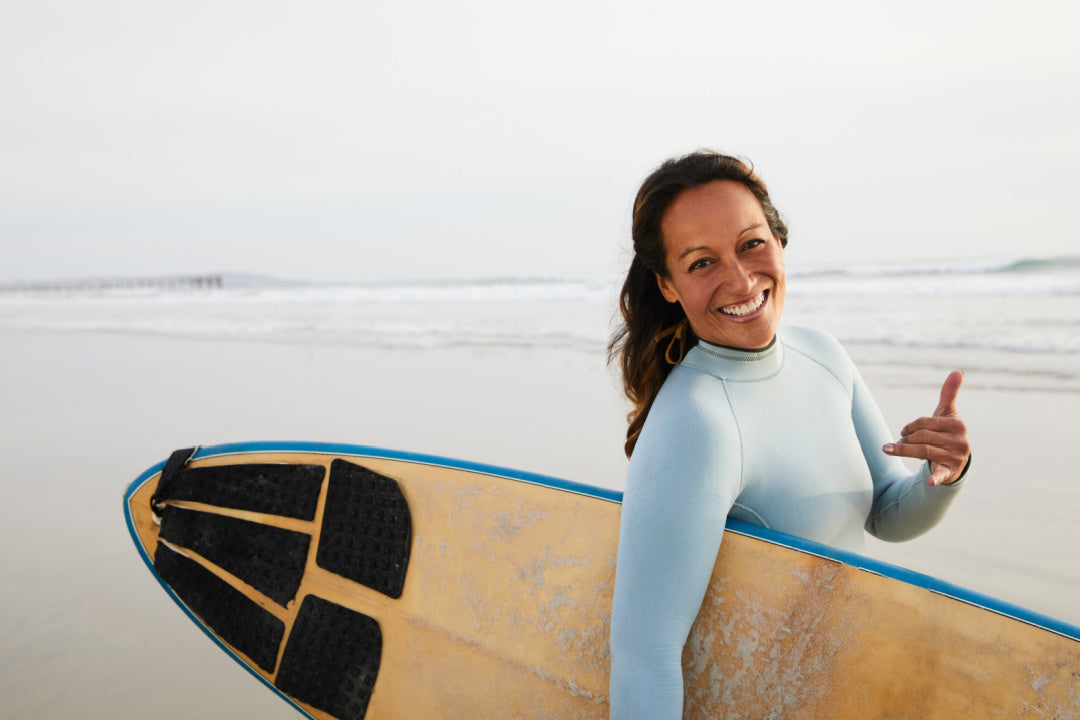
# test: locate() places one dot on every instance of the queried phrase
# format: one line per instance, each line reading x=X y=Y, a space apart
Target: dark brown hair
x=645 y=312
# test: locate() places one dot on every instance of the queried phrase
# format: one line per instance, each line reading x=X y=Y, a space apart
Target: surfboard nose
x=235 y=541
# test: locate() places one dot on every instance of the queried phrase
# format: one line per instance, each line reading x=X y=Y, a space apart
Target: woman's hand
x=941 y=438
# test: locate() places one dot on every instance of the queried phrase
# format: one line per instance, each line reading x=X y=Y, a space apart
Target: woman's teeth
x=746 y=308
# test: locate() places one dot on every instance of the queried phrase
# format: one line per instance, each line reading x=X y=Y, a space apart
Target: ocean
x=1010 y=324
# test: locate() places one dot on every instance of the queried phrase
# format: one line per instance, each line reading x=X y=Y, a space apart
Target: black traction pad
x=268 y=558
x=275 y=489
x=366 y=529
x=331 y=659
x=225 y=610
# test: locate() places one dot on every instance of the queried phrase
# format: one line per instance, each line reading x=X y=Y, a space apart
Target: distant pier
x=103 y=285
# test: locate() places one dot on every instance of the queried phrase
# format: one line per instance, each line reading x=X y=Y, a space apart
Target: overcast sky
x=399 y=140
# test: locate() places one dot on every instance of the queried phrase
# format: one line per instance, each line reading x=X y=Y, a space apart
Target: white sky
x=364 y=141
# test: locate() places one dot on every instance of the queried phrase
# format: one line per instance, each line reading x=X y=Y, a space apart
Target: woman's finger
x=942 y=439
x=940 y=474
x=948 y=425
x=947 y=401
x=923 y=451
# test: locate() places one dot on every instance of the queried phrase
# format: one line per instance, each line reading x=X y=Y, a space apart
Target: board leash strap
x=173 y=466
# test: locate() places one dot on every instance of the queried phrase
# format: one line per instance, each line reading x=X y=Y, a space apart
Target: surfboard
x=358 y=582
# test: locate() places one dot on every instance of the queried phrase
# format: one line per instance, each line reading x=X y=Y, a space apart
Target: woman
x=733 y=418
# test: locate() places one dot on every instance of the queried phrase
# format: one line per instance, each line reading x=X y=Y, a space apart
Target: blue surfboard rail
x=852 y=559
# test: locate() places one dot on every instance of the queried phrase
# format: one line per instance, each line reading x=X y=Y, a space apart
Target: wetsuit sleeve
x=681 y=483
x=904 y=505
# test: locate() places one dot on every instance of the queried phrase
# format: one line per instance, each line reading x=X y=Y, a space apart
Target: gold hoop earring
x=678 y=333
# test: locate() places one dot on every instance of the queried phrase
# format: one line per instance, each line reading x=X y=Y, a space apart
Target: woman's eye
x=699 y=264
x=756 y=242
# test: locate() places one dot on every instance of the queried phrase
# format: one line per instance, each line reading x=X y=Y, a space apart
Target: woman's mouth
x=749 y=307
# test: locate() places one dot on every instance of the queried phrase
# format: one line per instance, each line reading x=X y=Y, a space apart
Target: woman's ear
x=666 y=288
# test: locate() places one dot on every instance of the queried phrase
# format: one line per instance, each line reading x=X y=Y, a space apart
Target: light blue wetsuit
x=787 y=438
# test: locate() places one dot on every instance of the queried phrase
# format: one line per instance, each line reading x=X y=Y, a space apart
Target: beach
x=93 y=396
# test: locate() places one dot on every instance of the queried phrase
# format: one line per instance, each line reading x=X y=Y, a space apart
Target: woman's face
x=724 y=265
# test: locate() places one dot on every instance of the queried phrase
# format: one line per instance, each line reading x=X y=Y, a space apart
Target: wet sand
x=86 y=631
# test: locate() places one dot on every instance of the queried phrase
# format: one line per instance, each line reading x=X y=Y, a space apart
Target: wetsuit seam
x=738 y=433
x=848 y=389
x=882 y=510
x=749 y=510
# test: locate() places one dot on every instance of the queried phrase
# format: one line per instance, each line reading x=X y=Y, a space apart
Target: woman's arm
x=908 y=504
x=681 y=483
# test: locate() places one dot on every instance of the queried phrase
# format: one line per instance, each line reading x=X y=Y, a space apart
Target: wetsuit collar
x=736 y=363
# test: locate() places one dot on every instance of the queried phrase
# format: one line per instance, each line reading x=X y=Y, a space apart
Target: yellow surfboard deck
x=363 y=583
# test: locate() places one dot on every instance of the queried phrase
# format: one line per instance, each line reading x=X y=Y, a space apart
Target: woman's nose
x=738 y=279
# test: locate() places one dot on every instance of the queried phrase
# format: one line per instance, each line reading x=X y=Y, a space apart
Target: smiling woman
x=688 y=184
x=735 y=417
